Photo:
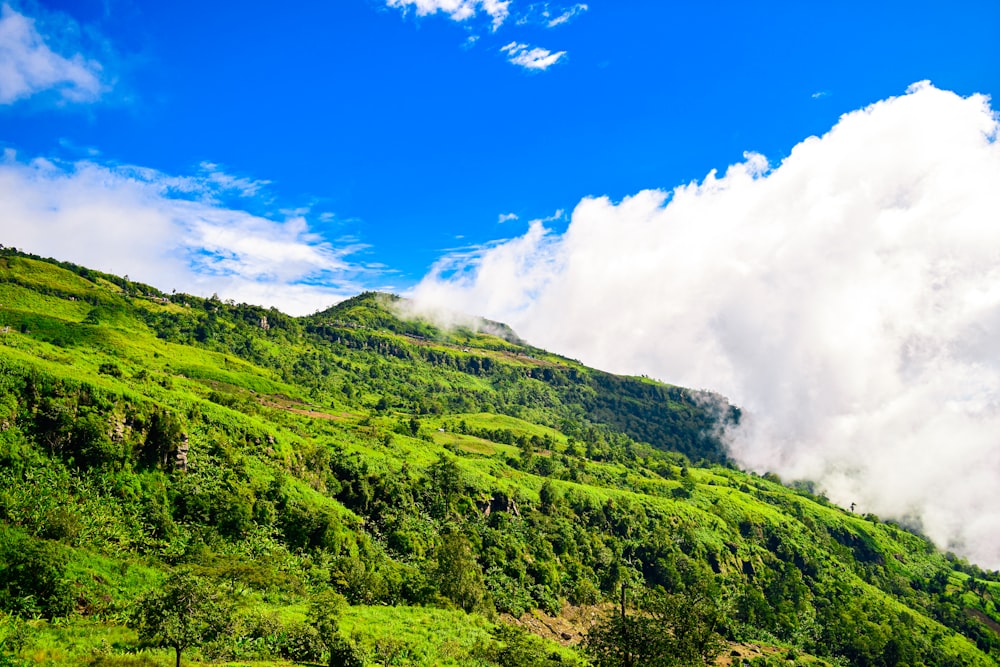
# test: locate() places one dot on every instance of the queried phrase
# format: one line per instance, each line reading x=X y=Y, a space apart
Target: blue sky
x=406 y=127
x=793 y=204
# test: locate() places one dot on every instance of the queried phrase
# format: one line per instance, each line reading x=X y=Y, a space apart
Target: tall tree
x=182 y=614
x=668 y=629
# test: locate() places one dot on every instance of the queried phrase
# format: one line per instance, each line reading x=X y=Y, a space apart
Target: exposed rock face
x=118 y=429
x=498 y=503
x=181 y=456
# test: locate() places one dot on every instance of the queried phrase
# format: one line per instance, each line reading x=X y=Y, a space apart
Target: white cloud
x=171 y=232
x=458 y=10
x=544 y=14
x=29 y=66
x=848 y=299
x=567 y=15
x=558 y=215
x=507 y=217
x=216 y=178
x=534 y=58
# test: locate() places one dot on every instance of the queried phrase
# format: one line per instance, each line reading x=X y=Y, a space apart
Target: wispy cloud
x=848 y=298
x=172 y=231
x=507 y=217
x=567 y=15
x=520 y=54
x=29 y=65
x=558 y=215
x=77 y=150
x=820 y=93
x=457 y=10
x=549 y=14
x=215 y=178
x=531 y=58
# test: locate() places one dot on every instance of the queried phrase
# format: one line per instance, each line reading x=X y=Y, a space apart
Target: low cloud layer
x=28 y=65
x=848 y=299
x=173 y=232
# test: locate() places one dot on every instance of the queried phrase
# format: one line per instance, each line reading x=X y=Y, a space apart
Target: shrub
x=111 y=369
x=301 y=642
x=33 y=581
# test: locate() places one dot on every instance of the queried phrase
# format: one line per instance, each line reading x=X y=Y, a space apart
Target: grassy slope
x=317 y=418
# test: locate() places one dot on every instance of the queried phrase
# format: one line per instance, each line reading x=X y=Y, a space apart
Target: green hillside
x=354 y=487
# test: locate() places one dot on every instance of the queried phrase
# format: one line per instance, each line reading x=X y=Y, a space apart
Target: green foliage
x=458 y=576
x=428 y=476
x=163 y=438
x=184 y=613
x=15 y=634
x=668 y=629
x=517 y=648
x=33 y=579
x=302 y=643
x=325 y=611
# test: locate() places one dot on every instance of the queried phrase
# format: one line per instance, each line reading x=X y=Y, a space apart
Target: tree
x=166 y=434
x=549 y=497
x=325 y=610
x=669 y=629
x=445 y=486
x=458 y=575
x=91 y=444
x=183 y=613
x=14 y=635
x=693 y=617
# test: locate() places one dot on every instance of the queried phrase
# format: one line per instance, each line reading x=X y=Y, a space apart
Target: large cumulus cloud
x=848 y=298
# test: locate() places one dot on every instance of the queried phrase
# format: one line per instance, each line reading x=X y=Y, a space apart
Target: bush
x=61 y=524
x=111 y=369
x=165 y=435
x=33 y=581
x=92 y=446
x=509 y=595
x=301 y=642
x=518 y=648
x=584 y=592
x=14 y=636
x=345 y=653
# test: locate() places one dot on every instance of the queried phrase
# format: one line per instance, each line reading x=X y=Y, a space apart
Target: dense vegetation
x=360 y=488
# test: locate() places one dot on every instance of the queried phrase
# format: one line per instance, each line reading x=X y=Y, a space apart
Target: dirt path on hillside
x=287 y=404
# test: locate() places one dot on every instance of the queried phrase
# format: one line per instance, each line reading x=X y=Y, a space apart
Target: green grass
x=420 y=636
x=258 y=464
